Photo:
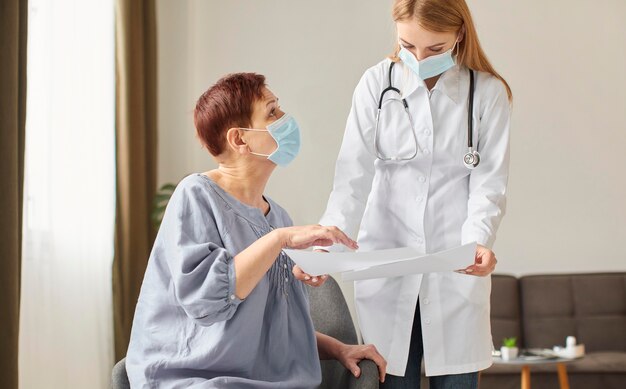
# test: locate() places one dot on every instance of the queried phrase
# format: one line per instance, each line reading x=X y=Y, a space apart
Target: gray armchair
x=330 y=316
x=119 y=379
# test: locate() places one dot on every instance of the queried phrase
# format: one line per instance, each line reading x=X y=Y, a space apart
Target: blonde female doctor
x=424 y=163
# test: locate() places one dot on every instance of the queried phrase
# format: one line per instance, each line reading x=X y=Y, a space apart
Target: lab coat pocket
x=395 y=138
x=473 y=289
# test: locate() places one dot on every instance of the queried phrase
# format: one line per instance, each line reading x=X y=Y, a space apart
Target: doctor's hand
x=350 y=355
x=484 y=262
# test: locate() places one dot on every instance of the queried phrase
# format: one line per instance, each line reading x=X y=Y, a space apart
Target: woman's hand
x=307 y=236
x=252 y=263
x=350 y=355
x=302 y=237
x=307 y=278
x=484 y=263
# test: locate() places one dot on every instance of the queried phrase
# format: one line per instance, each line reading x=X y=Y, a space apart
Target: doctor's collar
x=449 y=82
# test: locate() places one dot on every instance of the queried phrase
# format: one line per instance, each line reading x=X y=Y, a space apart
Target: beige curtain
x=136 y=132
x=13 y=27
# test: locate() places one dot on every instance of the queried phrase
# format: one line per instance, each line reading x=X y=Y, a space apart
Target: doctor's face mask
x=428 y=67
x=286 y=133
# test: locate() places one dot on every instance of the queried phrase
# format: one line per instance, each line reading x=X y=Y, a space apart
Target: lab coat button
x=427 y=132
x=419 y=199
x=232 y=296
x=422 y=179
x=426 y=151
x=426 y=301
x=427 y=321
x=420 y=240
x=285 y=265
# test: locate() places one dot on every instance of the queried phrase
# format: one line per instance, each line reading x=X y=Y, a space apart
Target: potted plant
x=159 y=203
x=509 y=348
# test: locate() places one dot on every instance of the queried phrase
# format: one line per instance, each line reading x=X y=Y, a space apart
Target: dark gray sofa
x=541 y=310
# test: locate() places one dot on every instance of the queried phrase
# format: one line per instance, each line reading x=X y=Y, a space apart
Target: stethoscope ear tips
x=471 y=159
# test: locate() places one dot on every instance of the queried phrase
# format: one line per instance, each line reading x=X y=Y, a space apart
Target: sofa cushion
x=505 y=309
x=591 y=307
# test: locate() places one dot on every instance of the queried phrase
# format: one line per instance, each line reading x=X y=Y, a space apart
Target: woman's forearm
x=327 y=346
x=252 y=263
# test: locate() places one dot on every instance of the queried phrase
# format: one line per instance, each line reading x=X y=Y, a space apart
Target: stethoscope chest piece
x=471 y=159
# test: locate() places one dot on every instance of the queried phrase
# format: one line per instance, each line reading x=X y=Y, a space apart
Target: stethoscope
x=471 y=159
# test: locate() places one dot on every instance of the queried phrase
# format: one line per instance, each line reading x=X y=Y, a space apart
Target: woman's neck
x=431 y=82
x=244 y=182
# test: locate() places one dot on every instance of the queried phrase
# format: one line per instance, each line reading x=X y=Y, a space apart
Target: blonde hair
x=447 y=16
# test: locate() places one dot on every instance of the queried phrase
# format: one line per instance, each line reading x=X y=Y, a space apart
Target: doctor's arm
x=487 y=184
x=354 y=169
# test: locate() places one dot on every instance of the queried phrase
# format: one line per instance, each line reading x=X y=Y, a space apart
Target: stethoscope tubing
x=471 y=155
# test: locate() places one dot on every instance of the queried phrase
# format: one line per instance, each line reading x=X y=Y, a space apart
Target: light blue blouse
x=190 y=330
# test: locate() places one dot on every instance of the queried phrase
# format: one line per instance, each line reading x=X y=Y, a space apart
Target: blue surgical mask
x=286 y=133
x=428 y=67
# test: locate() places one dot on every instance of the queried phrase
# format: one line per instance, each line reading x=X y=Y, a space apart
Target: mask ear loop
x=456 y=47
x=457 y=44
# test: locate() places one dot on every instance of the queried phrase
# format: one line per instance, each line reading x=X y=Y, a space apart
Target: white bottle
x=570 y=342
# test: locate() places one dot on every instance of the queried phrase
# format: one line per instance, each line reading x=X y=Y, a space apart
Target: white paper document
x=316 y=263
x=383 y=263
x=443 y=261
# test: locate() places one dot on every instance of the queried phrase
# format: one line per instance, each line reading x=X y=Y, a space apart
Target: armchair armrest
x=368 y=378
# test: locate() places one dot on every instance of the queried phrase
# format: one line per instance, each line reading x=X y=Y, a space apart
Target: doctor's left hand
x=484 y=262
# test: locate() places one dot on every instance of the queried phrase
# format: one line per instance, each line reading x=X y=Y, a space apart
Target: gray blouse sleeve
x=202 y=271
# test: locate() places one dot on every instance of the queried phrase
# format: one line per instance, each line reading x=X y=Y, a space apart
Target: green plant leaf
x=160 y=208
x=160 y=197
x=168 y=187
x=509 y=342
x=159 y=203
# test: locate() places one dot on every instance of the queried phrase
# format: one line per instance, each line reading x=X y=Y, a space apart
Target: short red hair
x=227 y=104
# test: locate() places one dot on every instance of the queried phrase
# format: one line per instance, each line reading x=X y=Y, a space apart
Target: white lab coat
x=430 y=203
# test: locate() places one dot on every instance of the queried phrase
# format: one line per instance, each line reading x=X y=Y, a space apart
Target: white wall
x=564 y=60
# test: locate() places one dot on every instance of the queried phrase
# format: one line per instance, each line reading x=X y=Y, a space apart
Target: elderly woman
x=219 y=305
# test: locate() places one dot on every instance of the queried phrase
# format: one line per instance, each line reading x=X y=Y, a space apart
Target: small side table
x=526 y=363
